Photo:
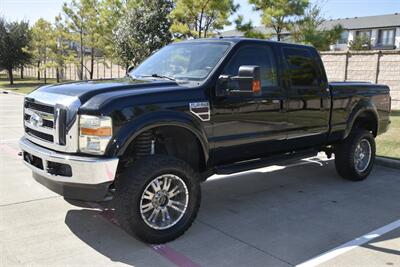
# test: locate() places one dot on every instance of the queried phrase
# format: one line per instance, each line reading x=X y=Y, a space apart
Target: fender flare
x=157 y=119
x=362 y=106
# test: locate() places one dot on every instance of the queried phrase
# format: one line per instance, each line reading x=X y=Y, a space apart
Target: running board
x=264 y=162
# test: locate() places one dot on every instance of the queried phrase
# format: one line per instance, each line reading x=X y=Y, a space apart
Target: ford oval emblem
x=36 y=120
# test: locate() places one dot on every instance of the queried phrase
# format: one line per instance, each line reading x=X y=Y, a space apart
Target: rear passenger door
x=307 y=97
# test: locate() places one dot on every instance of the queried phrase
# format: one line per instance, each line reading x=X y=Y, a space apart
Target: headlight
x=95 y=133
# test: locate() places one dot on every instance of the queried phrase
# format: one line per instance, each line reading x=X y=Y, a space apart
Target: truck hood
x=84 y=90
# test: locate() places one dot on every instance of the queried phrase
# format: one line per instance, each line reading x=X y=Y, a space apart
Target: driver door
x=249 y=126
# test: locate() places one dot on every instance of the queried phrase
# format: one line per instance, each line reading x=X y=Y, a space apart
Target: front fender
x=134 y=128
x=364 y=105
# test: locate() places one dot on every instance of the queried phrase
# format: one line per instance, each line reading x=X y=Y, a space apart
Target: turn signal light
x=256 y=86
x=97 y=131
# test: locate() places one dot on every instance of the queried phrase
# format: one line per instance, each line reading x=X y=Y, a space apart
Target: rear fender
x=364 y=105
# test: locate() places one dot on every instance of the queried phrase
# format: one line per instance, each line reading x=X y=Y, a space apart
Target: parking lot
x=303 y=213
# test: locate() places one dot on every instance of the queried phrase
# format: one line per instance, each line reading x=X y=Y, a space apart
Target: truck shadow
x=293 y=213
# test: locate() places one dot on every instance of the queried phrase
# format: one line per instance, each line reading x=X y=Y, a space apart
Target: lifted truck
x=193 y=109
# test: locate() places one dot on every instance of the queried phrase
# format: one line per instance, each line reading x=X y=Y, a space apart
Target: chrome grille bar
x=54 y=124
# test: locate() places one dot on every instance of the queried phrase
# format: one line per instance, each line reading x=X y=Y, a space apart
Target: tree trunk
x=22 y=72
x=81 y=74
x=10 y=76
x=38 y=70
x=58 y=75
x=45 y=76
x=91 y=63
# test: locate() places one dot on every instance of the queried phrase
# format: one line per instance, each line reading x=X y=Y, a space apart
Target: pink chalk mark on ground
x=163 y=250
x=9 y=150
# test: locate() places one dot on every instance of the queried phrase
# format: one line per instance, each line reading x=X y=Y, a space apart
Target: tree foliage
x=360 y=42
x=110 y=11
x=15 y=39
x=83 y=21
x=200 y=18
x=248 y=29
x=308 y=29
x=143 y=30
x=279 y=14
x=60 y=49
x=42 y=41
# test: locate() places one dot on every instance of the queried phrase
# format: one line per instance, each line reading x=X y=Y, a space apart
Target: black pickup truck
x=191 y=110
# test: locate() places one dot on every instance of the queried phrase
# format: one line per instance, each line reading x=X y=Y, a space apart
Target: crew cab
x=193 y=109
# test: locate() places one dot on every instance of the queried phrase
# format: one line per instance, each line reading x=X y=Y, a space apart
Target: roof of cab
x=238 y=39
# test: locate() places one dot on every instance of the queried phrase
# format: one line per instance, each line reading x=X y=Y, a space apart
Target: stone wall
x=370 y=66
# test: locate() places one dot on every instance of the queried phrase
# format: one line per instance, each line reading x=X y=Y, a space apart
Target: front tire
x=157 y=198
x=355 y=156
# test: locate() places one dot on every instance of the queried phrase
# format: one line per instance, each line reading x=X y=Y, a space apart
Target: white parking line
x=350 y=245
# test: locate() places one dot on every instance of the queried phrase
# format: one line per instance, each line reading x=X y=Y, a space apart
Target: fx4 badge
x=201 y=110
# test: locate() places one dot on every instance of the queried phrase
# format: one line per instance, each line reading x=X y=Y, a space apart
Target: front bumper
x=75 y=177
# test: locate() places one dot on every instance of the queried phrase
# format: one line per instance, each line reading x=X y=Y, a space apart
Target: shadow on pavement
x=292 y=213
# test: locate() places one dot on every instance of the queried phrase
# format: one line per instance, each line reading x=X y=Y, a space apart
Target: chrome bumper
x=86 y=172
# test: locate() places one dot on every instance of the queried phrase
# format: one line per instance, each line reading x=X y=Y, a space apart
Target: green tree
x=309 y=29
x=360 y=42
x=110 y=11
x=279 y=14
x=42 y=41
x=248 y=29
x=200 y=18
x=143 y=30
x=15 y=38
x=60 y=47
x=83 y=21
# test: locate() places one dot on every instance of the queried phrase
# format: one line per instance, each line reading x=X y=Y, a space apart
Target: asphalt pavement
x=303 y=213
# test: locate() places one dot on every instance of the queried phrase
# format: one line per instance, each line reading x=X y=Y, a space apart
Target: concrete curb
x=388 y=162
x=3 y=91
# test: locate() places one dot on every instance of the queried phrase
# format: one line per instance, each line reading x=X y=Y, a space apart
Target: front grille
x=40 y=135
x=39 y=107
x=46 y=123
x=39 y=121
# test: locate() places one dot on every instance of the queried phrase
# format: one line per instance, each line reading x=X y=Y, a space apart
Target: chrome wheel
x=362 y=155
x=164 y=201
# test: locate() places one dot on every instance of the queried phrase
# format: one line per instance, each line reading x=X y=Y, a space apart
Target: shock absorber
x=144 y=145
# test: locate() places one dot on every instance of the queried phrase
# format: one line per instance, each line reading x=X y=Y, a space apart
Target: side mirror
x=246 y=82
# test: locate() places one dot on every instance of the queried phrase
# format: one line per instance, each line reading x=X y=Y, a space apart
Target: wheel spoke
x=153 y=215
x=148 y=195
x=165 y=214
x=167 y=183
x=147 y=207
x=174 y=205
x=156 y=185
x=175 y=191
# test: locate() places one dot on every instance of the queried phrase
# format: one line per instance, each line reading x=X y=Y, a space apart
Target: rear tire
x=157 y=198
x=355 y=156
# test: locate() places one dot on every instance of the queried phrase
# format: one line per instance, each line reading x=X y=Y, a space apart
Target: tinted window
x=183 y=61
x=254 y=55
x=303 y=70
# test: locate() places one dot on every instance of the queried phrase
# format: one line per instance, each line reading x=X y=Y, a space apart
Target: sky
x=32 y=10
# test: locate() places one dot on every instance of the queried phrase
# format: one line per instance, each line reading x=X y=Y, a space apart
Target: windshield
x=182 y=61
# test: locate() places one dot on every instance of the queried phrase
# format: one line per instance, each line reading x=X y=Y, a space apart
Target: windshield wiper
x=155 y=75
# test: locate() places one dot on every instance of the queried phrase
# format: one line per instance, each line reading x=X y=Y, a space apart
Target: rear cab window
x=303 y=69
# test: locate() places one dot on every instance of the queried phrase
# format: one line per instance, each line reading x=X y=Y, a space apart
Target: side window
x=254 y=55
x=303 y=70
